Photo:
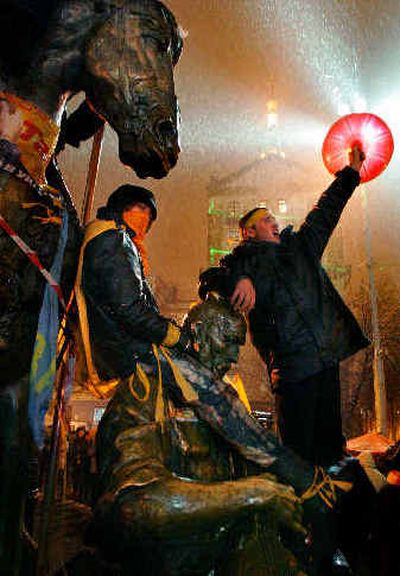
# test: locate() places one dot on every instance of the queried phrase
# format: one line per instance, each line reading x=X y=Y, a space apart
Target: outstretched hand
x=356 y=157
x=243 y=298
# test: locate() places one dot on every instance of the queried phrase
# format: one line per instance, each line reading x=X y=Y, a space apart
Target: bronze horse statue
x=121 y=55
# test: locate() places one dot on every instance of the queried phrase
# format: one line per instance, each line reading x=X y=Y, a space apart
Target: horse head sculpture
x=121 y=54
x=129 y=63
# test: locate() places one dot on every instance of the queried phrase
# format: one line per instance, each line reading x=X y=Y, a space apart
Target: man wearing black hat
x=119 y=317
x=299 y=324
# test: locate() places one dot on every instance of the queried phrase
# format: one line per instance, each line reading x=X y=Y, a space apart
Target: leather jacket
x=300 y=324
x=123 y=316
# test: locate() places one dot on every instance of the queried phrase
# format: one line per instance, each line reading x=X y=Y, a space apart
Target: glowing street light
x=272 y=114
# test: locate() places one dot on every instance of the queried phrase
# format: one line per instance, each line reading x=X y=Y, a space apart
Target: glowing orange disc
x=367 y=131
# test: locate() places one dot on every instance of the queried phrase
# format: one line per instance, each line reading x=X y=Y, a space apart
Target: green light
x=216 y=252
x=212 y=211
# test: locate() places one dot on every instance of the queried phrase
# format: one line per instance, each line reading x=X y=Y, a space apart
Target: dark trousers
x=309 y=416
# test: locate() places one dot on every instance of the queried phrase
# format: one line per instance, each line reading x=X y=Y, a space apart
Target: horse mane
x=176 y=31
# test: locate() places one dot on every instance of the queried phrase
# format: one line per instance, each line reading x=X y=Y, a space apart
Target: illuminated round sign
x=367 y=131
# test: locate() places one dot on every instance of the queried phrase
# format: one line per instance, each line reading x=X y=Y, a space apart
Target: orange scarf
x=139 y=223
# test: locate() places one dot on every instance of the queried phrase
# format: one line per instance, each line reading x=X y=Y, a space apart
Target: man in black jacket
x=119 y=317
x=298 y=322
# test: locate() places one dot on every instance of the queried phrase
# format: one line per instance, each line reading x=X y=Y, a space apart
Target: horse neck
x=55 y=72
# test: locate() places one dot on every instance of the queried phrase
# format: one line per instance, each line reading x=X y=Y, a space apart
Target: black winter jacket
x=300 y=324
x=123 y=315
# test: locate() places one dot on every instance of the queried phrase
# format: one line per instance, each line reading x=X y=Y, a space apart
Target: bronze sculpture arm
x=175 y=504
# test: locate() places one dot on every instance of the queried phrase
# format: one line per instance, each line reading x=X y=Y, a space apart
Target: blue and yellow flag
x=43 y=367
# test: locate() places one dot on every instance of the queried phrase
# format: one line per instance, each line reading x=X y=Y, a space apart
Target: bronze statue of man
x=176 y=497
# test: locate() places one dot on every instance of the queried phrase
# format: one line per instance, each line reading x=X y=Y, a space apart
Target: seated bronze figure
x=176 y=497
x=179 y=497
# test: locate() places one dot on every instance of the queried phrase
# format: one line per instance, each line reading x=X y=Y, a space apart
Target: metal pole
x=92 y=174
x=378 y=367
x=49 y=490
x=51 y=476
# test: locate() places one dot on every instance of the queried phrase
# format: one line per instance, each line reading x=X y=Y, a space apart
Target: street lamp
x=380 y=394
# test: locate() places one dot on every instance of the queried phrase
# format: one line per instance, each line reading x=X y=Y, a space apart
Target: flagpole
x=380 y=394
x=51 y=474
x=92 y=174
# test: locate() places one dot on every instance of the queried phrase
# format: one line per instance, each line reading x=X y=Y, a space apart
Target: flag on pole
x=43 y=367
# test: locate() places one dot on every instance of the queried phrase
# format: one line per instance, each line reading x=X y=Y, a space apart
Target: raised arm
x=323 y=218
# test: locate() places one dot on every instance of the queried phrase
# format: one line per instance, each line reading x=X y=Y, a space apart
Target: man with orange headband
x=299 y=324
